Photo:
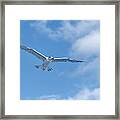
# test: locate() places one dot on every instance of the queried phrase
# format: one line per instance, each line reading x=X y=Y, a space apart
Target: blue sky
x=78 y=39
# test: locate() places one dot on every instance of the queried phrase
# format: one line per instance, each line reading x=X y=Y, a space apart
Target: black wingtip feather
x=24 y=47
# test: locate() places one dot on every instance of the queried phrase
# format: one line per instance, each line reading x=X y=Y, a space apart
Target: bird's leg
x=40 y=66
x=49 y=69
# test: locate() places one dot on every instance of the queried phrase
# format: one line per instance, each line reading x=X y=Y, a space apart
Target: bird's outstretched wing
x=34 y=52
x=65 y=59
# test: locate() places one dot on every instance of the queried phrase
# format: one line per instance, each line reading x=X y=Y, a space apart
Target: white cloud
x=87 y=69
x=43 y=97
x=83 y=94
x=86 y=46
x=41 y=26
x=66 y=31
x=87 y=94
x=84 y=35
x=49 y=97
x=77 y=30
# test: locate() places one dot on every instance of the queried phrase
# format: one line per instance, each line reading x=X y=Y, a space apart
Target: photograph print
x=59 y=60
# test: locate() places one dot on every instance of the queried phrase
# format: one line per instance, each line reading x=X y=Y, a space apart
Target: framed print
x=60 y=60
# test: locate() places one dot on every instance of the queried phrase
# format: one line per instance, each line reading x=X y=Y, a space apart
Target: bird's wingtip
x=23 y=47
x=82 y=61
x=74 y=60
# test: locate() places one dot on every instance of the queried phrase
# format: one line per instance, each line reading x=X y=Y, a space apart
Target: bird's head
x=50 y=57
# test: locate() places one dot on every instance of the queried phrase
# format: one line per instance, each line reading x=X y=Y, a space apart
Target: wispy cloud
x=49 y=97
x=84 y=35
x=87 y=94
x=87 y=69
x=82 y=94
x=86 y=46
x=68 y=30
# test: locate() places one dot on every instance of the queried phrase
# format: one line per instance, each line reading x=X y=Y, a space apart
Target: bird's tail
x=40 y=66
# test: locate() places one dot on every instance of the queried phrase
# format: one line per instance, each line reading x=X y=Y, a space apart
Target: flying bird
x=46 y=60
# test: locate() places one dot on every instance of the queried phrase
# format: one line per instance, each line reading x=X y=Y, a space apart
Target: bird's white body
x=47 y=60
x=45 y=64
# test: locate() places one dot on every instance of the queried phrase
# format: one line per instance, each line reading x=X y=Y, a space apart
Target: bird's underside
x=44 y=66
x=47 y=60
